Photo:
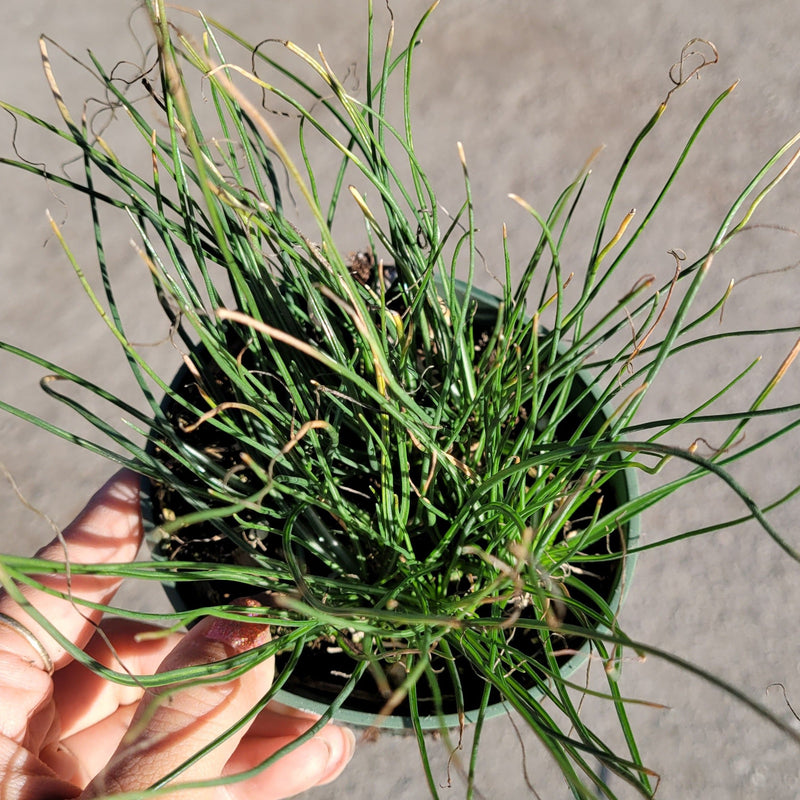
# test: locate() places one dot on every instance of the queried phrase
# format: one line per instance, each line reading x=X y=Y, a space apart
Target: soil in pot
x=323 y=669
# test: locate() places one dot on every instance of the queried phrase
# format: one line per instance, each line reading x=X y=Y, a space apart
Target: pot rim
x=626 y=488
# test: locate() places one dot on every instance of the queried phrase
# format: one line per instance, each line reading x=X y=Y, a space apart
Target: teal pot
x=362 y=707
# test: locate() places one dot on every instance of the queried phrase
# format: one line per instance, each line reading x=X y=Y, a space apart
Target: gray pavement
x=531 y=89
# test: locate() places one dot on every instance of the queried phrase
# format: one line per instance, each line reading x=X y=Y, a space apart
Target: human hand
x=67 y=732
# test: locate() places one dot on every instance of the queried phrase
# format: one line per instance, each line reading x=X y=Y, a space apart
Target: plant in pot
x=432 y=489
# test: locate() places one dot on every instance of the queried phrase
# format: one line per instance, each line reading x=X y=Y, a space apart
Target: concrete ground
x=531 y=89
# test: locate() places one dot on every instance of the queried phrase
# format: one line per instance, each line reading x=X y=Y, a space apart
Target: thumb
x=172 y=723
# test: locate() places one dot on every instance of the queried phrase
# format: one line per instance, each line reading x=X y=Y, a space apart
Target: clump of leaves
x=416 y=473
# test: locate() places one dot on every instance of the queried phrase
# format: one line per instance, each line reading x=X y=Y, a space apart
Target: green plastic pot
x=623 y=487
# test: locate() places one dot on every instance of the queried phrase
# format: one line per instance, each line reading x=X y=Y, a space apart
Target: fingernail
x=340 y=751
x=236 y=633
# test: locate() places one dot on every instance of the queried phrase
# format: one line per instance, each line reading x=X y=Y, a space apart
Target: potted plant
x=432 y=489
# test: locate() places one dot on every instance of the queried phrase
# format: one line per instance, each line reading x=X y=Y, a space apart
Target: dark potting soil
x=323 y=670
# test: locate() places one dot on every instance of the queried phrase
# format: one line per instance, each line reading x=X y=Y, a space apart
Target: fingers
x=25 y=717
x=25 y=776
x=172 y=724
x=316 y=762
x=83 y=697
x=78 y=758
x=95 y=713
x=108 y=530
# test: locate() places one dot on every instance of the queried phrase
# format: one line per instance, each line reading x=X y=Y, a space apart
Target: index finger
x=108 y=530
